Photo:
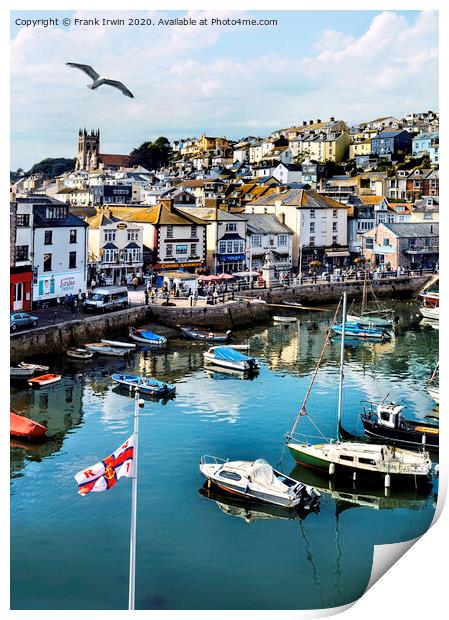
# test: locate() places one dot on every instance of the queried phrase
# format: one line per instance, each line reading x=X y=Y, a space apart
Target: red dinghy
x=20 y=426
x=44 y=380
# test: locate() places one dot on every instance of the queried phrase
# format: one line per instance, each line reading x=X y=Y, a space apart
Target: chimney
x=282 y=218
x=311 y=122
x=332 y=119
x=304 y=123
x=318 y=120
x=167 y=202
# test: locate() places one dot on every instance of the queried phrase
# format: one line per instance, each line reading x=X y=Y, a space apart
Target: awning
x=110 y=246
x=231 y=237
x=132 y=246
x=331 y=254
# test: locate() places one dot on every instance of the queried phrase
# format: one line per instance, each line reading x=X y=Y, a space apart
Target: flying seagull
x=99 y=80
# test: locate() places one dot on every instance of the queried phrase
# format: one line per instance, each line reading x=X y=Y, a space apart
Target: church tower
x=88 y=150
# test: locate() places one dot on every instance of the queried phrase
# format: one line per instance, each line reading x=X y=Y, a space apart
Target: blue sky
x=231 y=81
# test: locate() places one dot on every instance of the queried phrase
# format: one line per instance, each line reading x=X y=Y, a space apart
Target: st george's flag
x=104 y=475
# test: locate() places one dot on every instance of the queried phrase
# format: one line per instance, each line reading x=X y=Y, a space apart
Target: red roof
x=113 y=160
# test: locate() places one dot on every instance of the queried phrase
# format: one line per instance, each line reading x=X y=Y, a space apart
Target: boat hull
x=204 y=336
x=370 y=321
x=362 y=334
x=25 y=428
x=105 y=350
x=412 y=438
x=130 y=383
x=44 y=380
x=79 y=355
x=430 y=313
x=20 y=373
x=240 y=366
x=149 y=342
x=347 y=471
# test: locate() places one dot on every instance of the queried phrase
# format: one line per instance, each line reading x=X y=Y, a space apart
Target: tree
x=151 y=155
x=52 y=167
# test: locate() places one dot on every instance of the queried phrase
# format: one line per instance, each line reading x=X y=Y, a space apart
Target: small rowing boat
x=146 y=337
x=17 y=373
x=34 y=367
x=285 y=319
x=118 y=344
x=43 y=380
x=205 y=335
x=227 y=357
x=25 y=428
x=145 y=385
x=104 y=349
x=79 y=354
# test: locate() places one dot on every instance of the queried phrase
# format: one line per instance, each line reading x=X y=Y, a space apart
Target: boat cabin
x=386 y=414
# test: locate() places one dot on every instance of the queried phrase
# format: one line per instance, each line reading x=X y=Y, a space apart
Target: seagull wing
x=120 y=86
x=86 y=68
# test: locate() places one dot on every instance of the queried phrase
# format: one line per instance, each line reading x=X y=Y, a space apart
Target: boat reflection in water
x=349 y=496
x=227 y=373
x=252 y=511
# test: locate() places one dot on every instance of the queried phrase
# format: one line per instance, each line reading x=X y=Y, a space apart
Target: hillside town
x=319 y=197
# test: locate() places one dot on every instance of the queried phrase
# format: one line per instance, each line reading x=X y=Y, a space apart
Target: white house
x=115 y=247
x=226 y=239
x=59 y=251
x=319 y=224
x=264 y=233
x=288 y=173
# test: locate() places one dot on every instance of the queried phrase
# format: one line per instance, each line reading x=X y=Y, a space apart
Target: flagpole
x=132 y=544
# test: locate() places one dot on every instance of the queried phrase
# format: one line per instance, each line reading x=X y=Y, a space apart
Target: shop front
x=20 y=289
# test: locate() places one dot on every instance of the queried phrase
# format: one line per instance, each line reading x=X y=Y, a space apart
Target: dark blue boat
x=145 y=385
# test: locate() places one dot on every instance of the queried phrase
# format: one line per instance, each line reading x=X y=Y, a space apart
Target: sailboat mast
x=363 y=306
x=342 y=358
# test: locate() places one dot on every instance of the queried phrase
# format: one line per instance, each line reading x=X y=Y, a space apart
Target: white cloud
x=185 y=81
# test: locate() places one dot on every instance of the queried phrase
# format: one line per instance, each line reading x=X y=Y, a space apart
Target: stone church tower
x=88 y=150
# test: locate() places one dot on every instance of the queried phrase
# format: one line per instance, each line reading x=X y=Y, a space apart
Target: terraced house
x=319 y=224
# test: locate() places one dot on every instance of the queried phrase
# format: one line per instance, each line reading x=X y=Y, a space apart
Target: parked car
x=22 y=319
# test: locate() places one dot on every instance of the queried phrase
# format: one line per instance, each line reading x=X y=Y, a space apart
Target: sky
x=232 y=81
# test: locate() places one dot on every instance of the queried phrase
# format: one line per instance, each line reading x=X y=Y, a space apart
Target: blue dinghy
x=145 y=336
x=355 y=330
x=145 y=385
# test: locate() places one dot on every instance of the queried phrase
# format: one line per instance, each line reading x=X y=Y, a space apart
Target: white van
x=105 y=298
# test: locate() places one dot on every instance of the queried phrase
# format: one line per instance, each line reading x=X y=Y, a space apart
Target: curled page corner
x=384 y=556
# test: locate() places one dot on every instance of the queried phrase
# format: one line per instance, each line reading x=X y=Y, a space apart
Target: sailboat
x=379 y=317
x=359 y=460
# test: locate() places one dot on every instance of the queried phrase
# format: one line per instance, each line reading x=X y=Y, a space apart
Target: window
x=229 y=246
x=346 y=457
x=222 y=247
x=369 y=243
x=181 y=249
x=386 y=242
x=72 y=260
x=312 y=241
x=312 y=227
x=169 y=249
x=237 y=247
x=312 y=214
x=366 y=461
x=335 y=239
x=193 y=249
x=133 y=235
x=72 y=235
x=48 y=237
x=55 y=213
x=22 y=252
x=230 y=474
x=47 y=262
x=282 y=240
x=334 y=226
x=428 y=216
x=23 y=219
x=334 y=213
x=169 y=232
x=256 y=241
x=193 y=231
x=231 y=226
x=109 y=235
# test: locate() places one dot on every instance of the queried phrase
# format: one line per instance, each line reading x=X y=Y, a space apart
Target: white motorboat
x=145 y=336
x=118 y=344
x=227 y=357
x=258 y=481
x=20 y=372
x=104 y=349
x=285 y=319
x=79 y=354
x=432 y=313
x=34 y=367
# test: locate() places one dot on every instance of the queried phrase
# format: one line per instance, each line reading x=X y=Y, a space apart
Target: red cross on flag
x=104 y=475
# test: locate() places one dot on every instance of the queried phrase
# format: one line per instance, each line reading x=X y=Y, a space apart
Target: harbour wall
x=56 y=339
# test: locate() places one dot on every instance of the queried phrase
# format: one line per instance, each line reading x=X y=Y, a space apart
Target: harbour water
x=200 y=551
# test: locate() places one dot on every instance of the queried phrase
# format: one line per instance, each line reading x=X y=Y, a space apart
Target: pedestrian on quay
x=195 y=297
x=190 y=300
x=146 y=297
x=135 y=282
x=152 y=296
x=215 y=297
x=93 y=283
x=55 y=314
